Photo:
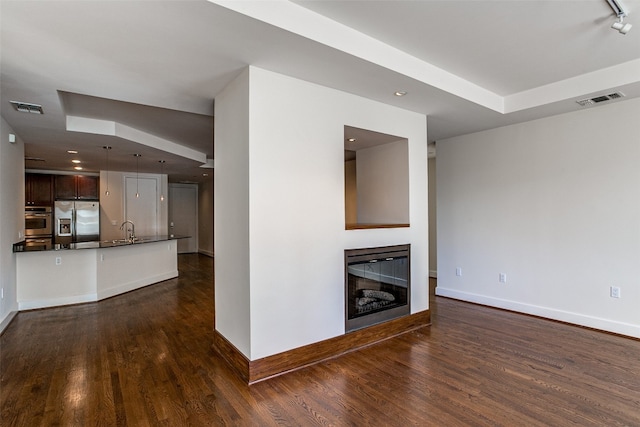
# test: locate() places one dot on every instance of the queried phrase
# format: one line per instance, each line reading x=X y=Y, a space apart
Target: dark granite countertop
x=21 y=247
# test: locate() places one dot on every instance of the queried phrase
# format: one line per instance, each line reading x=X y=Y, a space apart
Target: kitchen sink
x=122 y=241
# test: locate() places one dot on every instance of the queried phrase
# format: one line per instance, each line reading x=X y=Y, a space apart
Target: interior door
x=183 y=215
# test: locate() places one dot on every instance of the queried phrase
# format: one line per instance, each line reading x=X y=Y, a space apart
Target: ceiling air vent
x=25 y=107
x=599 y=99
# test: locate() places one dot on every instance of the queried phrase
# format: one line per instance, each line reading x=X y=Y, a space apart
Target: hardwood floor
x=145 y=359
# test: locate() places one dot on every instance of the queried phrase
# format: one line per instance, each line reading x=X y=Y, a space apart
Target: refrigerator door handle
x=73 y=224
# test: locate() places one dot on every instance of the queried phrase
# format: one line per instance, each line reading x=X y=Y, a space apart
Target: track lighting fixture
x=621 y=26
x=620 y=12
x=617 y=7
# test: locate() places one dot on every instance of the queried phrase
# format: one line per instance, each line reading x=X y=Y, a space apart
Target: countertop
x=21 y=247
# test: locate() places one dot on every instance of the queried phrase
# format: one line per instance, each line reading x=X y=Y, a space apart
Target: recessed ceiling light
x=400 y=93
x=76 y=161
x=72 y=152
x=351 y=140
x=78 y=168
x=205 y=174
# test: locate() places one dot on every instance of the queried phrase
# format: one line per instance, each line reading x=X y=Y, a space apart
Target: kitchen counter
x=21 y=247
x=92 y=271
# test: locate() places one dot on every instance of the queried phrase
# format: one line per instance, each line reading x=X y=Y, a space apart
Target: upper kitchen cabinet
x=38 y=189
x=77 y=187
x=88 y=187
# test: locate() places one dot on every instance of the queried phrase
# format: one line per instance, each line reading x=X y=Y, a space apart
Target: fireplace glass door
x=377 y=285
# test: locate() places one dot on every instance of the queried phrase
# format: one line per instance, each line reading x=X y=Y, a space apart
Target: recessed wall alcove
x=376 y=176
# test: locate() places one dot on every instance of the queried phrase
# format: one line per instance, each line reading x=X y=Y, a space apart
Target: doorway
x=433 y=221
x=183 y=215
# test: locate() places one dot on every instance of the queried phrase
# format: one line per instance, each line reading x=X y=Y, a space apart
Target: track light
x=621 y=26
x=620 y=12
x=618 y=8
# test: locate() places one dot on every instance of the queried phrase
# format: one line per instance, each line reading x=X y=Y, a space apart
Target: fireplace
x=377 y=285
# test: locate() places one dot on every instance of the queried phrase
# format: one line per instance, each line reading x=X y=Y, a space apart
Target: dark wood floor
x=145 y=359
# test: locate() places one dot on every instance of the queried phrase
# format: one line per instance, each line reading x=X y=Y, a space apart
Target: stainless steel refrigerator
x=76 y=221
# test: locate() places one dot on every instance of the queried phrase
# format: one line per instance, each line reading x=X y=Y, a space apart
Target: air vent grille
x=26 y=107
x=601 y=98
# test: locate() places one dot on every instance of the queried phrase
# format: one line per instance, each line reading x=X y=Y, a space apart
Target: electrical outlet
x=458 y=271
x=615 y=292
x=502 y=277
x=58 y=261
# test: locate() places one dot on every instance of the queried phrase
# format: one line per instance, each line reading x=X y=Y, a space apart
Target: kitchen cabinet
x=65 y=187
x=77 y=187
x=38 y=189
x=88 y=187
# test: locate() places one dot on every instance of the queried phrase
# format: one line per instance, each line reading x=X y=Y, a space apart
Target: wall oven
x=37 y=221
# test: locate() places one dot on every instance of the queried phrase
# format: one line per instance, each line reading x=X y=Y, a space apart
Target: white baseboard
x=132 y=286
x=608 y=325
x=100 y=295
x=7 y=319
x=205 y=252
x=55 y=302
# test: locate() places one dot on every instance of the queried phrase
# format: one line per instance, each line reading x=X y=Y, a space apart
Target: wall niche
x=376 y=172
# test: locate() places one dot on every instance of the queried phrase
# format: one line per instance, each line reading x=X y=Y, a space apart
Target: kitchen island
x=92 y=271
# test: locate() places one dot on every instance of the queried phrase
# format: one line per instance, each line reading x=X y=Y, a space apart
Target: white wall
x=350 y=192
x=231 y=213
x=554 y=204
x=11 y=218
x=112 y=207
x=285 y=184
x=205 y=217
x=383 y=184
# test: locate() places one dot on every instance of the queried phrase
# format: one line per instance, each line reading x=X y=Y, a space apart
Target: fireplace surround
x=377 y=285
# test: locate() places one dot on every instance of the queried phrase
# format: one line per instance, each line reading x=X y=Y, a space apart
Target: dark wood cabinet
x=77 y=187
x=87 y=187
x=65 y=187
x=38 y=189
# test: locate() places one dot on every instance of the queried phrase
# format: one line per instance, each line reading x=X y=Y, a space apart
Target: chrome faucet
x=130 y=237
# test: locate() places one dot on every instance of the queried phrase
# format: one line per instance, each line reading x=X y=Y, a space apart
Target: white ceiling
x=156 y=66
